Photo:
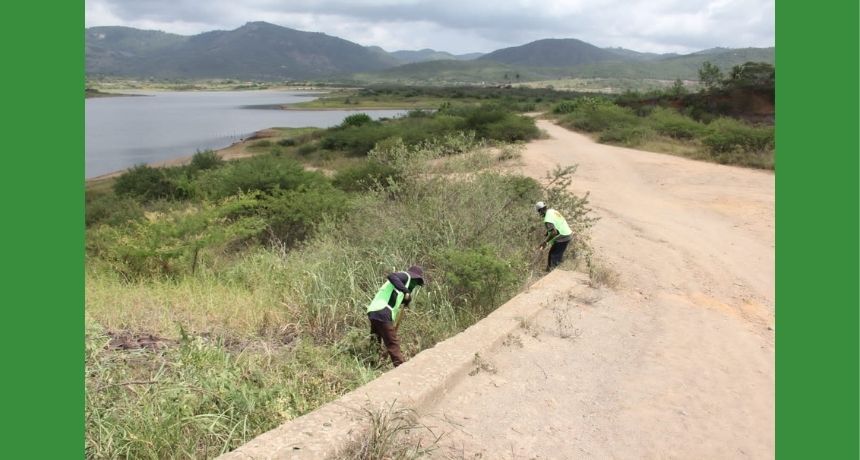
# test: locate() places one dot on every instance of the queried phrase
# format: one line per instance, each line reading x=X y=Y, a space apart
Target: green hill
x=671 y=67
x=411 y=57
x=551 y=52
x=257 y=50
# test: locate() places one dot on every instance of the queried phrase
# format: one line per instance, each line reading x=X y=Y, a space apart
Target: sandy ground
x=677 y=361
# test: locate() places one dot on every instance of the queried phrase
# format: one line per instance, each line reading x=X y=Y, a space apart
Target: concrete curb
x=417 y=384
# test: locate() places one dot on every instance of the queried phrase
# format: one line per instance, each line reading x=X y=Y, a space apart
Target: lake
x=157 y=126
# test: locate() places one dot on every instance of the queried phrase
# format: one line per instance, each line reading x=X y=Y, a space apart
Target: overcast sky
x=463 y=26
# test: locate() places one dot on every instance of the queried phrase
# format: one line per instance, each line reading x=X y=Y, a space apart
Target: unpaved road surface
x=676 y=362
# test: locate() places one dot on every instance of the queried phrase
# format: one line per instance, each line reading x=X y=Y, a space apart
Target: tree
x=710 y=75
x=757 y=74
x=678 y=88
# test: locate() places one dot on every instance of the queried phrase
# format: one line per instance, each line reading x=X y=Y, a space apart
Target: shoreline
x=233 y=151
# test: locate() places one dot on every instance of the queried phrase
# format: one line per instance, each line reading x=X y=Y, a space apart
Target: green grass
x=256 y=330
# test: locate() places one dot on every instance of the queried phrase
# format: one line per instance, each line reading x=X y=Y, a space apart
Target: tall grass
x=265 y=331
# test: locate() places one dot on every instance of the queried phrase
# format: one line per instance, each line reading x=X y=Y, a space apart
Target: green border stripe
x=42 y=192
x=817 y=230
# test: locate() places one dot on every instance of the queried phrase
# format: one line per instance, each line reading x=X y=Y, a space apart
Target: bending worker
x=384 y=310
x=558 y=234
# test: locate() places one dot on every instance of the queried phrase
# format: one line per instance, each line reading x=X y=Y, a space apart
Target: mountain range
x=263 y=51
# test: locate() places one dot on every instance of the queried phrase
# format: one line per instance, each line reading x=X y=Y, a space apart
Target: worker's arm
x=400 y=284
x=551 y=234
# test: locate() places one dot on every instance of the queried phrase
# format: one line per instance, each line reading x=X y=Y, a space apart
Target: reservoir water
x=157 y=126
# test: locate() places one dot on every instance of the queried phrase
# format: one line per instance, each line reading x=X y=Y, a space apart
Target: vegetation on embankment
x=224 y=298
x=519 y=99
x=691 y=125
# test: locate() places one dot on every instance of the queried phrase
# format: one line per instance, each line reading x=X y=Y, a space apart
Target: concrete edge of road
x=329 y=430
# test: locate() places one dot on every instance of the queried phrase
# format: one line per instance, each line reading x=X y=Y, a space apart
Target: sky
x=464 y=26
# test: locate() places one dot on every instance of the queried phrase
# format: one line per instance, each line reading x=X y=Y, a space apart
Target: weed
x=513 y=340
x=563 y=322
x=601 y=275
x=391 y=435
x=482 y=365
x=529 y=327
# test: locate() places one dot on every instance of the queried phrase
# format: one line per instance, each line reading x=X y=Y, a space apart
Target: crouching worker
x=558 y=234
x=384 y=311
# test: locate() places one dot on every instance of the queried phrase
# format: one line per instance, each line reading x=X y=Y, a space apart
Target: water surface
x=157 y=126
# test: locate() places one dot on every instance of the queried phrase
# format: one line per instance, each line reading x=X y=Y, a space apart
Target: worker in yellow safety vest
x=384 y=311
x=558 y=234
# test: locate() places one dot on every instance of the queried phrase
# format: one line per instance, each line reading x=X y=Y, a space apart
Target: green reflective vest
x=557 y=220
x=382 y=297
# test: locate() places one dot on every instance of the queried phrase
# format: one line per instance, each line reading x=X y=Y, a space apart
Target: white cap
x=539 y=205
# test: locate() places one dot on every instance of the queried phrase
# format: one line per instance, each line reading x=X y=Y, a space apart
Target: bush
x=289 y=142
x=670 y=123
x=564 y=107
x=730 y=135
x=357 y=119
x=307 y=149
x=600 y=117
x=355 y=140
x=476 y=276
x=111 y=210
x=147 y=183
x=170 y=244
x=292 y=215
x=202 y=161
x=626 y=135
x=264 y=173
x=364 y=176
x=512 y=128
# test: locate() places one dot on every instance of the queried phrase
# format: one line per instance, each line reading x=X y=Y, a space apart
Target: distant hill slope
x=452 y=71
x=411 y=57
x=551 y=52
x=263 y=51
x=685 y=67
x=665 y=67
x=257 y=50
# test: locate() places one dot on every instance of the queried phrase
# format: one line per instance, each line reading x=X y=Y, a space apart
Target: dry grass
x=392 y=434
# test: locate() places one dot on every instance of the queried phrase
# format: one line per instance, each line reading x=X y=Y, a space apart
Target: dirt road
x=677 y=361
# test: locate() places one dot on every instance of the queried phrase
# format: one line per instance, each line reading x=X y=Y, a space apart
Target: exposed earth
x=676 y=362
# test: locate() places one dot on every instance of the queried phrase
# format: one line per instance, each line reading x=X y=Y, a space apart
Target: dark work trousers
x=385 y=332
x=556 y=254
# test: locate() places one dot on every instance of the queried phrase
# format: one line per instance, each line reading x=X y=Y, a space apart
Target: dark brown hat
x=416 y=272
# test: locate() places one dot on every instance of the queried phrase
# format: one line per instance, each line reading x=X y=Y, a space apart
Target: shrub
x=289 y=142
x=264 y=173
x=729 y=135
x=512 y=128
x=625 y=135
x=356 y=119
x=292 y=215
x=476 y=276
x=670 y=123
x=564 y=107
x=355 y=140
x=307 y=149
x=364 y=176
x=170 y=244
x=147 y=183
x=261 y=144
x=600 y=117
x=111 y=209
x=202 y=161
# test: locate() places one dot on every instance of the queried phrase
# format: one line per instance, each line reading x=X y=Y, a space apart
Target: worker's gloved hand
x=407 y=298
x=542 y=246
